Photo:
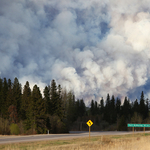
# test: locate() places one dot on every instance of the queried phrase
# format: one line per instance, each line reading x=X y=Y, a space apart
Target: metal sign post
x=89 y=133
x=139 y=125
x=89 y=123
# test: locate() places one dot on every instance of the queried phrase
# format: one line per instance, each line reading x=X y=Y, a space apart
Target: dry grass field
x=125 y=142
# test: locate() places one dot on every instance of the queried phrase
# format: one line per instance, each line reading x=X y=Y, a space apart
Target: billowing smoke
x=92 y=47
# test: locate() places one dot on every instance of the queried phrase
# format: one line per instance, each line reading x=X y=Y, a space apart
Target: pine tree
x=118 y=110
x=92 y=108
x=17 y=95
x=5 y=89
x=9 y=84
x=102 y=106
x=107 y=109
x=96 y=108
x=118 y=107
x=126 y=109
x=60 y=108
x=47 y=106
x=1 y=94
x=72 y=109
x=142 y=106
x=4 y=109
x=108 y=101
x=25 y=101
x=9 y=99
x=56 y=99
x=64 y=102
x=136 y=118
x=13 y=116
x=147 y=108
x=113 y=115
x=47 y=99
x=81 y=108
x=77 y=107
x=135 y=106
x=53 y=98
x=37 y=111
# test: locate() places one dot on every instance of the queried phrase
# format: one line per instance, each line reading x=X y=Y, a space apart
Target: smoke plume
x=92 y=47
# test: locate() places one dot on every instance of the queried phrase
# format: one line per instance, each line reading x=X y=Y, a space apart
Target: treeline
x=28 y=111
x=112 y=115
x=33 y=113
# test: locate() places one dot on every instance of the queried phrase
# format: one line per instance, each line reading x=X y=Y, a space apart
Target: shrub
x=57 y=126
x=122 y=124
x=14 y=129
x=21 y=127
x=4 y=126
x=31 y=132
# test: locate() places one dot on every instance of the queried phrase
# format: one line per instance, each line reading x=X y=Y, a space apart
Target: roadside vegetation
x=117 y=142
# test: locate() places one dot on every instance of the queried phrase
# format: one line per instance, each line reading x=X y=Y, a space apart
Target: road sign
x=138 y=125
x=89 y=123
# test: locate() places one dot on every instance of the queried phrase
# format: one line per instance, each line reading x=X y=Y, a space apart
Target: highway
x=75 y=134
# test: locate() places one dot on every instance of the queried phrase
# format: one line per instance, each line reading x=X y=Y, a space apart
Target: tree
x=64 y=95
x=5 y=89
x=1 y=94
x=96 y=108
x=113 y=114
x=4 y=109
x=136 y=118
x=107 y=109
x=25 y=101
x=147 y=108
x=9 y=84
x=9 y=99
x=81 y=108
x=136 y=106
x=118 y=107
x=126 y=109
x=37 y=111
x=47 y=99
x=122 y=124
x=92 y=108
x=72 y=108
x=55 y=105
x=13 y=116
x=53 y=98
x=60 y=108
x=108 y=101
x=17 y=95
x=102 y=106
x=142 y=106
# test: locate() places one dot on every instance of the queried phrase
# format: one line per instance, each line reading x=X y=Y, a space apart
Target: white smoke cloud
x=91 y=47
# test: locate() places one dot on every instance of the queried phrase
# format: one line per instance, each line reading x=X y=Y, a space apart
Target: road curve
x=73 y=134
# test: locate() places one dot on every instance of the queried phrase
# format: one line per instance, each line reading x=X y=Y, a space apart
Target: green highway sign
x=138 y=125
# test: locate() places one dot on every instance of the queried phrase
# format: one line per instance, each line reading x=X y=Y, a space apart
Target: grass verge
x=130 y=141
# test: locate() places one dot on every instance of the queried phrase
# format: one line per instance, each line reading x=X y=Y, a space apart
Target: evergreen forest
x=55 y=110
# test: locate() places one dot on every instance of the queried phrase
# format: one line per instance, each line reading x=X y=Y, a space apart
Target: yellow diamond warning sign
x=89 y=123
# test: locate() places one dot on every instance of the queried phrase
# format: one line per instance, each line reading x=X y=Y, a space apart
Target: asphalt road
x=76 y=134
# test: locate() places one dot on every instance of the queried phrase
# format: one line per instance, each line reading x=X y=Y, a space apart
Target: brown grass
x=125 y=142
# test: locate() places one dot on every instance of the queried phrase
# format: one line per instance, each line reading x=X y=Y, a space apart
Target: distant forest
x=26 y=111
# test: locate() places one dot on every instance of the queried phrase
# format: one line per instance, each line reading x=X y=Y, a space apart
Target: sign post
x=89 y=123
x=139 y=125
x=133 y=129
